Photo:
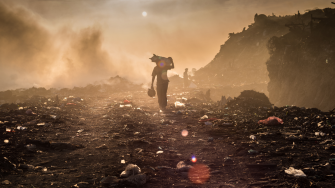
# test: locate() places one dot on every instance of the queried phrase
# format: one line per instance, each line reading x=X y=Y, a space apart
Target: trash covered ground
x=123 y=140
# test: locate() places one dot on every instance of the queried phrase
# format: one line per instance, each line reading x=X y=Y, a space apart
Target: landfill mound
x=250 y=98
x=104 y=87
x=242 y=59
x=235 y=90
x=302 y=62
x=112 y=142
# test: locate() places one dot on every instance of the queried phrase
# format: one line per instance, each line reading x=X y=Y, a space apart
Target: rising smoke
x=32 y=55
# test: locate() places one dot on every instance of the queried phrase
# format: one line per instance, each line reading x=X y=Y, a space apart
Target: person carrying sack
x=160 y=70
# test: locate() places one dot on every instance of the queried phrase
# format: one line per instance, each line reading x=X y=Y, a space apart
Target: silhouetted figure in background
x=186 y=83
x=162 y=66
x=56 y=100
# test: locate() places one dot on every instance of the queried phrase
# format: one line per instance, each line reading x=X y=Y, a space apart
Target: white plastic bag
x=295 y=172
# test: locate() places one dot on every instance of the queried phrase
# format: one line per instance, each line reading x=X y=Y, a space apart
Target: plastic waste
x=252 y=137
x=271 y=121
x=252 y=152
x=179 y=104
x=6 y=141
x=319 y=134
x=159 y=152
x=208 y=123
x=126 y=102
x=130 y=170
x=138 y=150
x=123 y=161
x=204 y=117
x=21 y=128
x=182 y=167
x=295 y=172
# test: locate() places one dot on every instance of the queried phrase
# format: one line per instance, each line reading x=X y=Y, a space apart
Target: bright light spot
x=194 y=159
x=184 y=132
x=144 y=14
x=199 y=174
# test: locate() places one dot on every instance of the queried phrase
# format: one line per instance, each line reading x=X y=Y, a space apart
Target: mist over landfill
x=62 y=40
x=167 y=93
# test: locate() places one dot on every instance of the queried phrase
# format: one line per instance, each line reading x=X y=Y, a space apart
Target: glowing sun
x=144 y=14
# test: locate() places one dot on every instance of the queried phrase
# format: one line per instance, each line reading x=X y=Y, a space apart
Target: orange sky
x=75 y=42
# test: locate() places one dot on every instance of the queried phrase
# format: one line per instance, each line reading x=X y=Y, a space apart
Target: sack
x=156 y=58
x=151 y=92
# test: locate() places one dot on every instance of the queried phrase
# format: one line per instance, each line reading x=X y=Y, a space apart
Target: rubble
x=100 y=137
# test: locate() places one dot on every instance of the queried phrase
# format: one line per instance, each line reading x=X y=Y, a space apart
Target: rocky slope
x=302 y=62
x=242 y=59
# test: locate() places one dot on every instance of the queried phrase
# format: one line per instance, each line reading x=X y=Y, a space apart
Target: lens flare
x=194 y=159
x=162 y=64
x=184 y=133
x=199 y=174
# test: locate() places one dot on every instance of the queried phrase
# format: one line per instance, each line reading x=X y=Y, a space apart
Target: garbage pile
x=103 y=87
x=242 y=58
x=251 y=98
x=302 y=62
x=123 y=140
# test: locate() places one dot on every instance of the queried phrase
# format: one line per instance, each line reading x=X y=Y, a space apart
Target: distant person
x=162 y=66
x=57 y=100
x=186 y=78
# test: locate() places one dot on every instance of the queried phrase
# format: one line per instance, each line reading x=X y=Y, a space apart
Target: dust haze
x=66 y=43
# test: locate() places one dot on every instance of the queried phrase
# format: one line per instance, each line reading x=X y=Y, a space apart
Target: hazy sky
x=63 y=43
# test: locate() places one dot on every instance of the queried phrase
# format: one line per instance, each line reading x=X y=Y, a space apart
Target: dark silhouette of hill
x=302 y=62
x=242 y=58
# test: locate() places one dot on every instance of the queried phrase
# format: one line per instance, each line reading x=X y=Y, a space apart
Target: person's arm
x=153 y=80
x=172 y=64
